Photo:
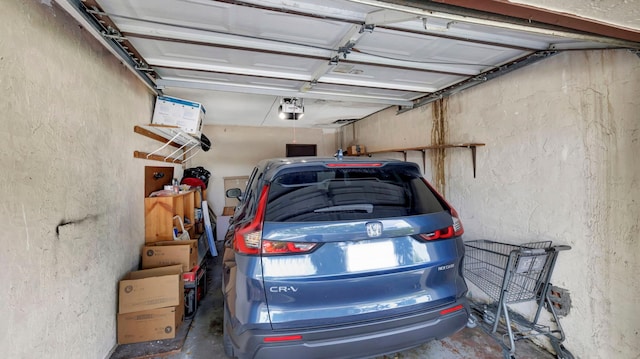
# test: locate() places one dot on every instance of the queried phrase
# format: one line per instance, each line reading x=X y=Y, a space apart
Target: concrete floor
x=204 y=339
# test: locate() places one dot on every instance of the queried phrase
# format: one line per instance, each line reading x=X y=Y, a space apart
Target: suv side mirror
x=234 y=193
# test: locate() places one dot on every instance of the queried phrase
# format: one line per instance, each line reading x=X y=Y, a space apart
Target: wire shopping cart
x=512 y=274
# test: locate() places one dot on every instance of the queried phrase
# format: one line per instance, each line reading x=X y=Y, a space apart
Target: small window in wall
x=297 y=150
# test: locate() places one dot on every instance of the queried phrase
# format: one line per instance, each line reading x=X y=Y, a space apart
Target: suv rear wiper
x=365 y=207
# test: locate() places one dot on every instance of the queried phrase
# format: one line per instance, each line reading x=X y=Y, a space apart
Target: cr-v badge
x=374 y=229
x=283 y=289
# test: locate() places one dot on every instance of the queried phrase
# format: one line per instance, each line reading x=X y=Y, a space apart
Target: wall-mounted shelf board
x=186 y=145
x=423 y=149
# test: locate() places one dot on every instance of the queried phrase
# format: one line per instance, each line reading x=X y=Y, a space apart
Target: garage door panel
x=416 y=80
x=440 y=54
x=374 y=92
x=210 y=15
x=163 y=53
x=203 y=76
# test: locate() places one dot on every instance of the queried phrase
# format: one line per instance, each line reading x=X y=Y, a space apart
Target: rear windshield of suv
x=353 y=193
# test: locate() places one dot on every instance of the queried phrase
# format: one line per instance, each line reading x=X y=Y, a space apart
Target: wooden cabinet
x=160 y=213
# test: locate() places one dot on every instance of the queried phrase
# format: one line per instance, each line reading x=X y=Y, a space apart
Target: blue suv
x=350 y=258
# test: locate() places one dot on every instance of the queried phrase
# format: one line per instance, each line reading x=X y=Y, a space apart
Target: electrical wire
x=266 y=115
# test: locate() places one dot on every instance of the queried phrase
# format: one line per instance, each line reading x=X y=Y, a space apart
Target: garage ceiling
x=345 y=59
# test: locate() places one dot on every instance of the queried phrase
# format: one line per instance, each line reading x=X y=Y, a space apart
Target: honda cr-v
x=350 y=258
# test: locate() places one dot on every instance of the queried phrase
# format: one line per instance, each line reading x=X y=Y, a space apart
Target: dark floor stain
x=215 y=327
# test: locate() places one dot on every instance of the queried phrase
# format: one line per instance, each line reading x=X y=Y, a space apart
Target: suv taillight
x=458 y=230
x=437 y=234
x=248 y=239
x=280 y=247
x=454 y=230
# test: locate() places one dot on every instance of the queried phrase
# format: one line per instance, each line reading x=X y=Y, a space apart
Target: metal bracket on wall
x=185 y=144
x=423 y=149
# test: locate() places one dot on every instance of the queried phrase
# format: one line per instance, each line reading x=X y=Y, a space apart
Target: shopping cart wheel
x=508 y=355
x=561 y=351
x=488 y=317
x=472 y=322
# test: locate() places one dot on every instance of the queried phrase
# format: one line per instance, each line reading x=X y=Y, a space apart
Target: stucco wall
x=562 y=137
x=623 y=13
x=237 y=149
x=72 y=209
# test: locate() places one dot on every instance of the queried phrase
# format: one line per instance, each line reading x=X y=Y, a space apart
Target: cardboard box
x=187 y=115
x=222 y=225
x=161 y=254
x=150 y=289
x=356 y=150
x=152 y=324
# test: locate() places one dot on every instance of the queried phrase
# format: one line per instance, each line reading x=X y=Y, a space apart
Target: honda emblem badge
x=374 y=229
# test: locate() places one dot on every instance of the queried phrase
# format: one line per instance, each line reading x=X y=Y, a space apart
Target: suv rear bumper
x=354 y=341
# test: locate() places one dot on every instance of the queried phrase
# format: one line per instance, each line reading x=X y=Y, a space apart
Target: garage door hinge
x=113 y=34
x=144 y=67
x=116 y=37
x=346 y=49
x=367 y=28
x=95 y=11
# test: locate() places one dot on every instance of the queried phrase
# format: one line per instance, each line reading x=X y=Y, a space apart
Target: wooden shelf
x=186 y=145
x=151 y=156
x=430 y=147
x=423 y=149
x=159 y=213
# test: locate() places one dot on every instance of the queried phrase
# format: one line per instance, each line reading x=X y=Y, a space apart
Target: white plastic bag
x=183 y=235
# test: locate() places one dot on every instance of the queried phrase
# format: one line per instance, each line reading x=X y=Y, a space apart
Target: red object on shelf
x=194 y=182
x=191 y=275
